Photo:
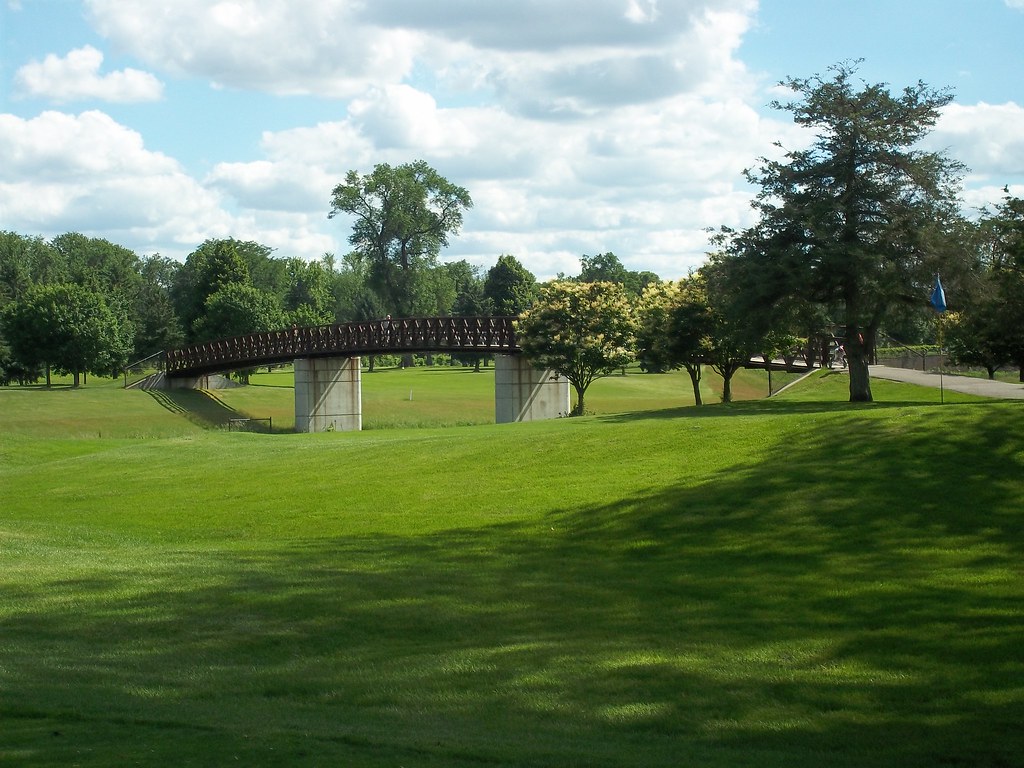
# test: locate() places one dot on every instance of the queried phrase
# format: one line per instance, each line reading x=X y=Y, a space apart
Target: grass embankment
x=783 y=583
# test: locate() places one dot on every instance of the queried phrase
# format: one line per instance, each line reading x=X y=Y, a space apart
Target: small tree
x=674 y=330
x=509 y=286
x=583 y=331
x=973 y=338
x=683 y=324
x=653 y=339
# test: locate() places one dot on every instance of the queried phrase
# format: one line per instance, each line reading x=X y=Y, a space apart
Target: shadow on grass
x=761 y=408
x=856 y=601
x=198 y=406
x=261 y=385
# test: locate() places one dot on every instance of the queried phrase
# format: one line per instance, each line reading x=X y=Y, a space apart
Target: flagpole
x=938 y=302
x=942 y=391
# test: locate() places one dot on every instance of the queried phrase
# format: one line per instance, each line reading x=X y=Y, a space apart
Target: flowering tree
x=674 y=331
x=583 y=331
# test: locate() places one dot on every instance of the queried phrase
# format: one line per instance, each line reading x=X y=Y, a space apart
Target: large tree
x=583 y=331
x=157 y=326
x=21 y=258
x=860 y=220
x=402 y=217
x=236 y=310
x=308 y=299
x=100 y=265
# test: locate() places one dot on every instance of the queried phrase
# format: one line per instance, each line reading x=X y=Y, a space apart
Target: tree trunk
x=860 y=378
x=578 y=409
x=695 y=376
x=47 y=375
x=76 y=380
x=727 y=387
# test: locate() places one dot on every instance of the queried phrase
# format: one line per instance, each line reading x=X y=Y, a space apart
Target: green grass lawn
x=394 y=398
x=791 y=582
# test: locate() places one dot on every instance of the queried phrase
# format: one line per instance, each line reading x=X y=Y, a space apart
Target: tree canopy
x=68 y=328
x=606 y=267
x=583 y=331
x=402 y=217
x=859 y=221
x=509 y=286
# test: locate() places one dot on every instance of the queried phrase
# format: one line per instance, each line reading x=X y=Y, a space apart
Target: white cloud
x=578 y=126
x=985 y=137
x=545 y=57
x=77 y=77
x=541 y=108
x=1015 y=4
x=643 y=184
x=277 y=46
x=88 y=173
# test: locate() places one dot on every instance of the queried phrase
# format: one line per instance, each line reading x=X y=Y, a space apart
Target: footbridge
x=328 y=375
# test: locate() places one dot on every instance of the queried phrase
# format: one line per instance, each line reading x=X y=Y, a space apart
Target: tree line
x=77 y=305
x=850 y=235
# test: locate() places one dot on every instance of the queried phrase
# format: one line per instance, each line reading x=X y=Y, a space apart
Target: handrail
x=403 y=335
x=158 y=356
x=901 y=345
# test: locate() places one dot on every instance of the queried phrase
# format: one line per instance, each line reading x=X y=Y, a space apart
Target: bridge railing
x=141 y=369
x=418 y=334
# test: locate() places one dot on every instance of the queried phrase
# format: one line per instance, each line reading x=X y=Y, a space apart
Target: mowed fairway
x=793 y=582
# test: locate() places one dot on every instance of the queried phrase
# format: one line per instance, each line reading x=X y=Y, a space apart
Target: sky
x=578 y=126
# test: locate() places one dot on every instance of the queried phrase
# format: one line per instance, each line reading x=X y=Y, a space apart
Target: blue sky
x=579 y=126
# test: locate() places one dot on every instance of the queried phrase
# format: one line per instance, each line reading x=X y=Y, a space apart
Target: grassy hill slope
x=790 y=582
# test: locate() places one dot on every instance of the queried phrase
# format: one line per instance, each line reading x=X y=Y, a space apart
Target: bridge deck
x=486 y=335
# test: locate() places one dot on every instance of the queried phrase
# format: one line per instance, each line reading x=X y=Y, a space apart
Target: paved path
x=973 y=386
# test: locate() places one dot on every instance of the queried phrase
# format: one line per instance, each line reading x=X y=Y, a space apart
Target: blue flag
x=938 y=300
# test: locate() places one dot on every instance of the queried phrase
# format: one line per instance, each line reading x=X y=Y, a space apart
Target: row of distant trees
x=77 y=305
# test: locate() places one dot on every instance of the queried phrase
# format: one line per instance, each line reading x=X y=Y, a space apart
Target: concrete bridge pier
x=328 y=394
x=523 y=393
